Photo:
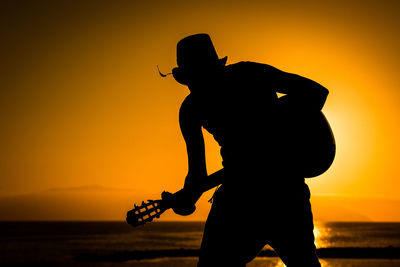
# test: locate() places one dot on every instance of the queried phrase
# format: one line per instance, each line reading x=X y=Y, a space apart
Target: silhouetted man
x=263 y=198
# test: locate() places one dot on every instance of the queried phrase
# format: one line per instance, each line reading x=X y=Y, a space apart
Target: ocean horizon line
x=170 y=221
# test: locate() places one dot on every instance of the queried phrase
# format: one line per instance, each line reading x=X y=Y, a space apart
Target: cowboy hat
x=193 y=54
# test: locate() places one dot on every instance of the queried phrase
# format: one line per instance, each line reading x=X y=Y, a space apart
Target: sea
x=177 y=244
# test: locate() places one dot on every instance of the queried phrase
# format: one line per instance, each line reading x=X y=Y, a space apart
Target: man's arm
x=301 y=91
x=190 y=125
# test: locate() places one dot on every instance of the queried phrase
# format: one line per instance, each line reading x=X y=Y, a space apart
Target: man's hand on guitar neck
x=183 y=202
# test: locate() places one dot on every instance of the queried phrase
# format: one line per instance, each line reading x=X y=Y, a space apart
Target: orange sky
x=82 y=105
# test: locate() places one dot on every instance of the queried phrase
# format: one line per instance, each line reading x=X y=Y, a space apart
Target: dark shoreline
x=348 y=253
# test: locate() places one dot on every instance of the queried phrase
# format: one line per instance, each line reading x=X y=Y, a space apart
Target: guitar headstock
x=145 y=213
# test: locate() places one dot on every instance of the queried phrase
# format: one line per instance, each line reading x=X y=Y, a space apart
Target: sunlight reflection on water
x=321 y=235
x=276 y=262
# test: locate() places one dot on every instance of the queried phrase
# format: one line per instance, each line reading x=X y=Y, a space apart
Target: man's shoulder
x=187 y=105
x=248 y=67
x=189 y=100
x=189 y=113
x=242 y=65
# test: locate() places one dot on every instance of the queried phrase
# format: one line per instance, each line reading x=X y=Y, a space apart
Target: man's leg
x=293 y=238
x=295 y=253
x=229 y=239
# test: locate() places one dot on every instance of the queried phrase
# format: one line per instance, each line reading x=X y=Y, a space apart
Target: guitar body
x=306 y=139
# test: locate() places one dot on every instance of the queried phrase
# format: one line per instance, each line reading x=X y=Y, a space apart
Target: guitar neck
x=146 y=212
x=207 y=183
x=212 y=180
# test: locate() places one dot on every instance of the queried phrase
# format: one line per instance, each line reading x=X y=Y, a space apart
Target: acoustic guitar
x=306 y=139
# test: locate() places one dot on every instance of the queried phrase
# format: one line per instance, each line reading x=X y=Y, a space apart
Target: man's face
x=202 y=79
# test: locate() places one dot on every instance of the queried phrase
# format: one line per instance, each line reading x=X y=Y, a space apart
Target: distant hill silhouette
x=102 y=203
x=342 y=208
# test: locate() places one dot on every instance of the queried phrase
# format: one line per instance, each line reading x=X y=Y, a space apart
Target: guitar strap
x=212 y=198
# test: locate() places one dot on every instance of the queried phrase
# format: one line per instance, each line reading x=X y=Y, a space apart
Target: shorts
x=242 y=221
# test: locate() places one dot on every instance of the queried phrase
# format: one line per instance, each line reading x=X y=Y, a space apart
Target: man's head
x=197 y=60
